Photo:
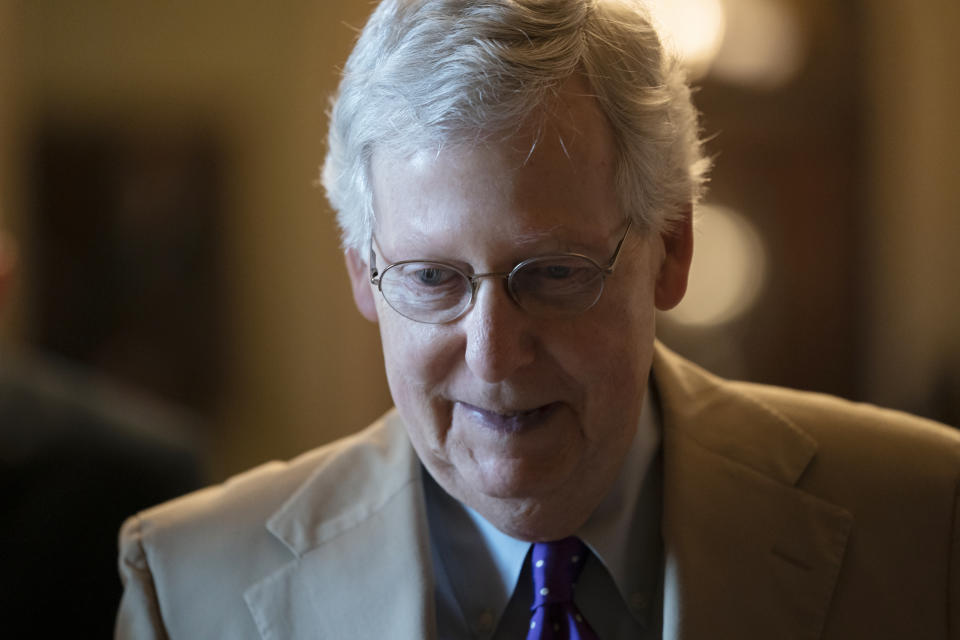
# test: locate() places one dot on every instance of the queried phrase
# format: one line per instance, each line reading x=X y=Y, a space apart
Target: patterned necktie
x=556 y=566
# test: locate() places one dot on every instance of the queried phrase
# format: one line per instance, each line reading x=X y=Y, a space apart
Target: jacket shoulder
x=185 y=563
x=248 y=499
x=893 y=477
x=732 y=413
x=863 y=430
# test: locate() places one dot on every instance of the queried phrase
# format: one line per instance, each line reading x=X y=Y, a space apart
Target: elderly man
x=514 y=180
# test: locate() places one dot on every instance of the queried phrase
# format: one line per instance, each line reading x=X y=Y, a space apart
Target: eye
x=556 y=276
x=421 y=279
x=426 y=291
x=433 y=276
x=557 y=271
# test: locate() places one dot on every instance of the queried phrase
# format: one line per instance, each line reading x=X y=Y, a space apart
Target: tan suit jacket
x=787 y=515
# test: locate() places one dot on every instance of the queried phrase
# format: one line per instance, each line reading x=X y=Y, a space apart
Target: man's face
x=526 y=419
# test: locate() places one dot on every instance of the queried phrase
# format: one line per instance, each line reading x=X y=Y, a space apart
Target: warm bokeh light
x=755 y=43
x=694 y=28
x=763 y=45
x=729 y=268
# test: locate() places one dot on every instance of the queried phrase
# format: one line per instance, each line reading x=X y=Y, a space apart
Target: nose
x=498 y=337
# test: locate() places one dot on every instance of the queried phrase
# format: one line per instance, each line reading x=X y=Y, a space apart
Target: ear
x=360 y=282
x=675 y=267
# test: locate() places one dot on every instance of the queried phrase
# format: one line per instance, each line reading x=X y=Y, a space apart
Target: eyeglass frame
x=376 y=276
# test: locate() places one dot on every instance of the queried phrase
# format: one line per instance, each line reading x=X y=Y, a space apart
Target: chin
x=514 y=479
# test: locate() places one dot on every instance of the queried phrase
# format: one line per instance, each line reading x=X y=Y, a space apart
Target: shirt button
x=485 y=622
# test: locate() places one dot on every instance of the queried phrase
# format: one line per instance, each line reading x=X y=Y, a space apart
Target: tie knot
x=556 y=566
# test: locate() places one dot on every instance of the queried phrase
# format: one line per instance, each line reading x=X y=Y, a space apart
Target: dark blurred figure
x=77 y=456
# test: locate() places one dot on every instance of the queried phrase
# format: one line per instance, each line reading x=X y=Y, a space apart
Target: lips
x=509 y=422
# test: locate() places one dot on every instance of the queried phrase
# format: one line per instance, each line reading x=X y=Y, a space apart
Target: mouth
x=509 y=422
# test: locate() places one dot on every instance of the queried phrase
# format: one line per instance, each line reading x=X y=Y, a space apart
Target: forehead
x=555 y=171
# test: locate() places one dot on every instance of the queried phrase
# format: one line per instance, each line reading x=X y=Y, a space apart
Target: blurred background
x=158 y=165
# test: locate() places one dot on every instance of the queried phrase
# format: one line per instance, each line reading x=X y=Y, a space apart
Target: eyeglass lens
x=435 y=292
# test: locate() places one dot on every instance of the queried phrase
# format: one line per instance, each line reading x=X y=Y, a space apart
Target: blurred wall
x=302 y=367
x=9 y=116
x=913 y=218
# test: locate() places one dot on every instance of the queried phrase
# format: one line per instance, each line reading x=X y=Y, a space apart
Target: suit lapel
x=357 y=527
x=747 y=553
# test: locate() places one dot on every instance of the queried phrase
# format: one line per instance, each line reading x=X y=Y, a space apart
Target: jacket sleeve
x=139 y=617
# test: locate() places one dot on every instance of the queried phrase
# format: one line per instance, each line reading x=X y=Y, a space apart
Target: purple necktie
x=556 y=566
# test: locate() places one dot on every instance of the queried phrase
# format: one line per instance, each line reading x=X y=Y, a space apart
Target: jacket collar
x=748 y=554
x=357 y=526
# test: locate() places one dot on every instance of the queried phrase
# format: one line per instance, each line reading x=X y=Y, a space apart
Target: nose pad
x=498 y=338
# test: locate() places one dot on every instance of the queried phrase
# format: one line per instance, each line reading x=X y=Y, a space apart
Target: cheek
x=616 y=332
x=615 y=360
x=612 y=361
x=418 y=360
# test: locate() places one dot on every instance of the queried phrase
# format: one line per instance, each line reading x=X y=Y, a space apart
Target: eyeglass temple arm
x=616 y=252
x=373 y=265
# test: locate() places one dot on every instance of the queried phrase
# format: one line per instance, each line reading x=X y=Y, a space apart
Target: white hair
x=428 y=73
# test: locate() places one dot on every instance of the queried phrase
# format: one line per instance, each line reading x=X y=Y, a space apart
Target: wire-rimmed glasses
x=434 y=292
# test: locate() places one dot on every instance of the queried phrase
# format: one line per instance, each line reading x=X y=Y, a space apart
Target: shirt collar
x=476 y=565
x=624 y=531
